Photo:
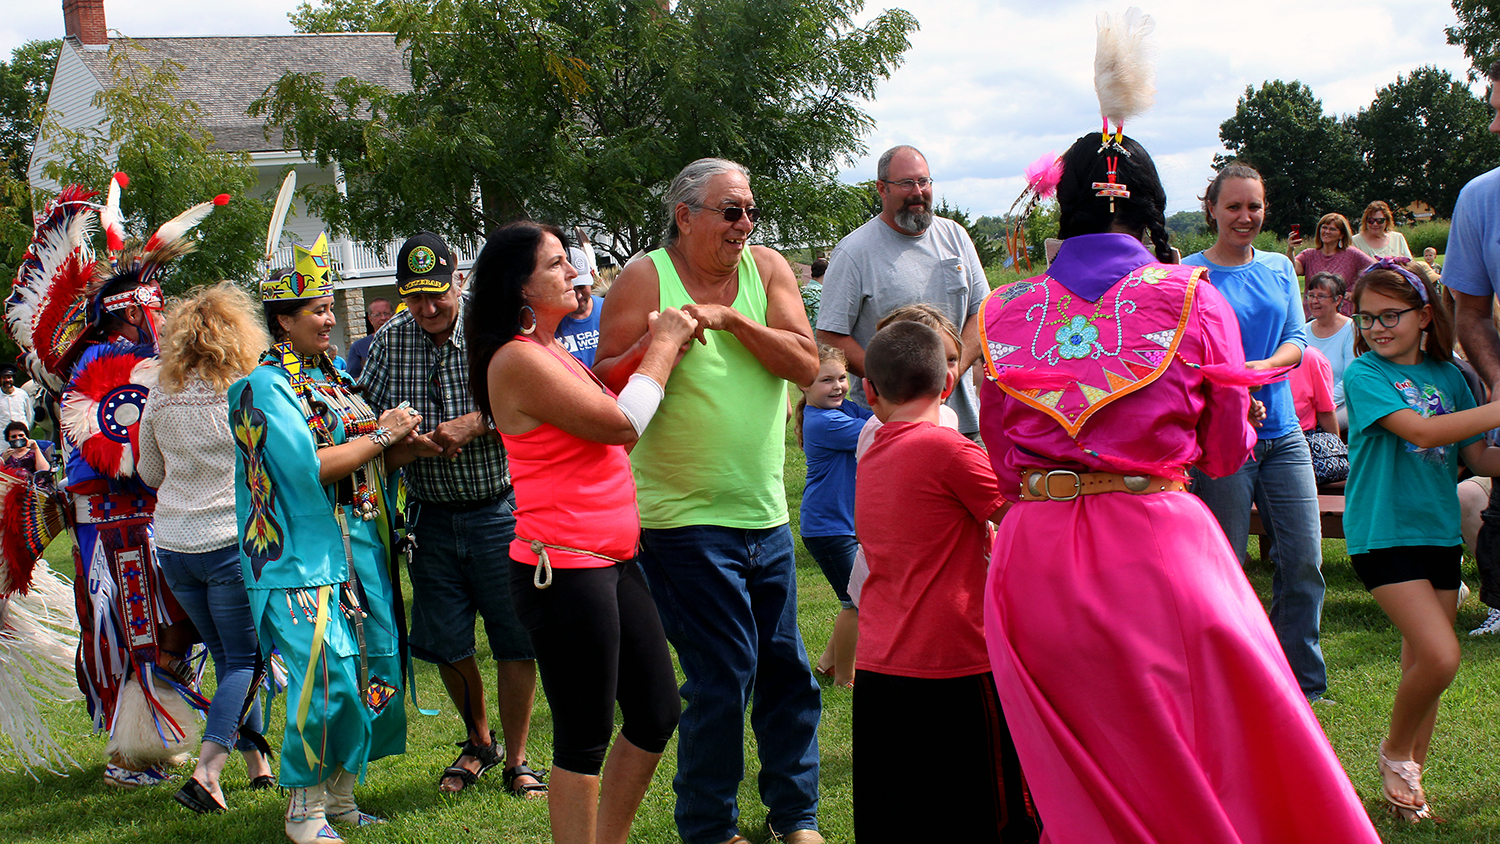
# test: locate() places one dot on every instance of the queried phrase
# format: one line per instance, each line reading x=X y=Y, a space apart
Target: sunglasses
x=1377 y=221
x=733 y=213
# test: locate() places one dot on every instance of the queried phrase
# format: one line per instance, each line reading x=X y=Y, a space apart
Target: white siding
x=70 y=103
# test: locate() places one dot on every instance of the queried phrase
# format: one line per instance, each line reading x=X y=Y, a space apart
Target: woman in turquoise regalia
x=315 y=545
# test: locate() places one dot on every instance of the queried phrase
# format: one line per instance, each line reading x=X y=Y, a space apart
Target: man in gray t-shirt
x=905 y=256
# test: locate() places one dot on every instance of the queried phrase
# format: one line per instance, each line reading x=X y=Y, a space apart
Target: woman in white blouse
x=1378 y=237
x=212 y=339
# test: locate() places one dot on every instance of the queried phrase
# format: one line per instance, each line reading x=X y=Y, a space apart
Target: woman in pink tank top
x=574 y=580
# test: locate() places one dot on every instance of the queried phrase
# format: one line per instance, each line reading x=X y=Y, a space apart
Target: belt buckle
x=1077 y=484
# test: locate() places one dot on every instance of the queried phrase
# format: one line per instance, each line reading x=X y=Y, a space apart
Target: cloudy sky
x=989 y=85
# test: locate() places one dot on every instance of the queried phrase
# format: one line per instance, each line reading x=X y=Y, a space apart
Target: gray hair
x=691 y=186
x=883 y=166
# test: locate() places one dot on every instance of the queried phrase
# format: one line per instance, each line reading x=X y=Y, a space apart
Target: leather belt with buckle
x=1066 y=484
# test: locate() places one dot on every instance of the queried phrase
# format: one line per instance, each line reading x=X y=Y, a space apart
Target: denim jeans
x=728 y=601
x=461 y=568
x=1279 y=480
x=835 y=556
x=211 y=589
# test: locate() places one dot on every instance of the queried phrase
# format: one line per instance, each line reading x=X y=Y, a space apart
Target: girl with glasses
x=1378 y=236
x=1411 y=416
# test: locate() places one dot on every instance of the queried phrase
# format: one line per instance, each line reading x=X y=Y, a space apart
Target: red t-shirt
x=923 y=495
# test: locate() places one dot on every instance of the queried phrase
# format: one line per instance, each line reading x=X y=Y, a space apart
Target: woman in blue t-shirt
x=1411 y=416
x=1261 y=287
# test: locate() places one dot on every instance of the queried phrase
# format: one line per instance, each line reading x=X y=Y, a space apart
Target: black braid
x=1082 y=211
x=1162 y=239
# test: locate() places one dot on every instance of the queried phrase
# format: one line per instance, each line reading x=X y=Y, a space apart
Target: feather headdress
x=1124 y=78
x=41 y=313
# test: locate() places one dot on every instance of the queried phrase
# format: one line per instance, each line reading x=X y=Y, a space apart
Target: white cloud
x=989 y=86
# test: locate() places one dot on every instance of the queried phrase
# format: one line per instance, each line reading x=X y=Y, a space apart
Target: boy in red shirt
x=922 y=496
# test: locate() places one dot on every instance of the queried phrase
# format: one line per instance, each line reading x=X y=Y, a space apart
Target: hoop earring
x=524 y=329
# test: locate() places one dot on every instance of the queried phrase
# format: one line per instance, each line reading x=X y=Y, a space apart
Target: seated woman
x=1331 y=332
x=22 y=452
x=1312 y=397
x=1332 y=255
x=574 y=579
x=1377 y=236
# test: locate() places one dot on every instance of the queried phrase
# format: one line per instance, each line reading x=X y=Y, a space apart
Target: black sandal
x=194 y=796
x=263 y=782
x=525 y=790
x=488 y=756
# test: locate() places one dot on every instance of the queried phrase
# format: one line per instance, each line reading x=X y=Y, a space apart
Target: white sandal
x=1410 y=773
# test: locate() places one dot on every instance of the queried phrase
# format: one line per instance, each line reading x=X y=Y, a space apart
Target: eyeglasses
x=1320 y=296
x=1387 y=319
x=908 y=184
x=733 y=213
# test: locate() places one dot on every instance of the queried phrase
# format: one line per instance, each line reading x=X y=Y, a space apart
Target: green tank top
x=713 y=453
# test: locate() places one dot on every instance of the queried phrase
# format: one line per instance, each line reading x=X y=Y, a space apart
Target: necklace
x=321 y=400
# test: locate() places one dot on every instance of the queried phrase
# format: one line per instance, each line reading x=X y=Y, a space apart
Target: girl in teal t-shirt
x=1411 y=416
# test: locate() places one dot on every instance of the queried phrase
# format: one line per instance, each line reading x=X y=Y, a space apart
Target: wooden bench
x=1330 y=517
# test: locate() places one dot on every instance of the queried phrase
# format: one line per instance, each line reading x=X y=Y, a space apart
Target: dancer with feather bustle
x=89 y=328
x=1146 y=693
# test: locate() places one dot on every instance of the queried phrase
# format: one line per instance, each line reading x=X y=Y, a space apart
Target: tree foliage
x=158 y=140
x=24 y=82
x=347 y=15
x=1478 y=32
x=1423 y=138
x=1308 y=159
x=582 y=112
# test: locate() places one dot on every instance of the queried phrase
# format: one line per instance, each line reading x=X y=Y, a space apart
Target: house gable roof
x=223 y=74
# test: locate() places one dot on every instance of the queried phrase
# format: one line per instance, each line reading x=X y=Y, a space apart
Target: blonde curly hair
x=216 y=334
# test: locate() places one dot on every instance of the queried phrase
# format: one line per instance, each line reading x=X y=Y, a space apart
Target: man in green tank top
x=715 y=545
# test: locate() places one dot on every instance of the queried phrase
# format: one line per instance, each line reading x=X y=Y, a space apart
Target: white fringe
x=38 y=644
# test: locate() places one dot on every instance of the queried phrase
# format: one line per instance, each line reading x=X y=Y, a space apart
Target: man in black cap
x=464 y=517
x=15 y=403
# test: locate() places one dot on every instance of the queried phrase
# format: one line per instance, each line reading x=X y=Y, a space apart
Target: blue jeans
x=459 y=569
x=1279 y=479
x=835 y=556
x=728 y=601
x=211 y=590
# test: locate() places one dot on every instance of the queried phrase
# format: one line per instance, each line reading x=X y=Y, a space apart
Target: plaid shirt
x=405 y=364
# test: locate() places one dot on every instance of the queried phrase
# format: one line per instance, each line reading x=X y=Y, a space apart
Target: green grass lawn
x=1463 y=778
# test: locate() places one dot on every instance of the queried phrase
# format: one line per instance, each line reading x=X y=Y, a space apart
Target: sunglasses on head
x=733 y=213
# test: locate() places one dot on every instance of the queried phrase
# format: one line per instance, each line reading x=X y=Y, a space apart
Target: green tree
x=1308 y=159
x=990 y=251
x=582 y=112
x=24 y=82
x=158 y=140
x=1423 y=138
x=1478 y=32
x=350 y=15
x=1187 y=222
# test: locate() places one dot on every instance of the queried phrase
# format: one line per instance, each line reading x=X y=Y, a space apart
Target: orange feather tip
x=221 y=199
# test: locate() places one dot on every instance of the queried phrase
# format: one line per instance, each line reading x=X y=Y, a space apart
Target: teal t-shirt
x=1400 y=495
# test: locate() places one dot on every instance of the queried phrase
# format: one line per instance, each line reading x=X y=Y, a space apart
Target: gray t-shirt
x=876 y=269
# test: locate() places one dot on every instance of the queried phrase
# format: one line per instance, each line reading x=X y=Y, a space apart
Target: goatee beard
x=912 y=220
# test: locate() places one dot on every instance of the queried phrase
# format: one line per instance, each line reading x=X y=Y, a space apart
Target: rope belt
x=543 y=577
x=1066 y=485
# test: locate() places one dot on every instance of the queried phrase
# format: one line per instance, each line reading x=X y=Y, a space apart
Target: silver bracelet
x=380 y=437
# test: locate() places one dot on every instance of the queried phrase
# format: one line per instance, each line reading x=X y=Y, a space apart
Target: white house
x=223 y=74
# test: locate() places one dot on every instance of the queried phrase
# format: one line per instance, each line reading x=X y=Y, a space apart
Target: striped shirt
x=405 y=364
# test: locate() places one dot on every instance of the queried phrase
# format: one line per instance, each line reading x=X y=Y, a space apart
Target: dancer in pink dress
x=1147 y=695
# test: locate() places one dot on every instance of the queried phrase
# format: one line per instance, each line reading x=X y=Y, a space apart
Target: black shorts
x=1441 y=564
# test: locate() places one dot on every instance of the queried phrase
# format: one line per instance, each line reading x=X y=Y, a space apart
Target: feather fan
x=1124 y=77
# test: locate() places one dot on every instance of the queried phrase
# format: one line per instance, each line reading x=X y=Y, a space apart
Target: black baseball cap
x=424 y=265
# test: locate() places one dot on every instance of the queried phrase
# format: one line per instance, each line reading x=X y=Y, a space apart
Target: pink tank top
x=571 y=492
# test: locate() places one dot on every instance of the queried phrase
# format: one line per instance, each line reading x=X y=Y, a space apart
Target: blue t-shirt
x=581 y=336
x=1400 y=495
x=829 y=437
x=1339 y=349
x=1473 y=262
x=1268 y=302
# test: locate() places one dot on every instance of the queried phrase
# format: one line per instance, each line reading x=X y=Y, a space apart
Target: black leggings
x=598 y=639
